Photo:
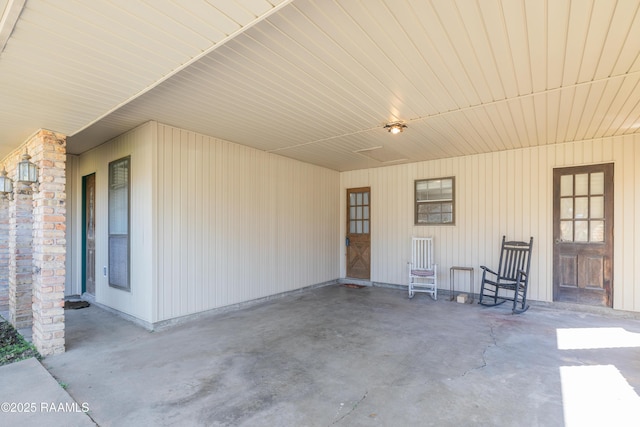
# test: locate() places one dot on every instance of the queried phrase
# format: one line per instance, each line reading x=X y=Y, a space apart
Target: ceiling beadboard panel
x=316 y=80
x=68 y=63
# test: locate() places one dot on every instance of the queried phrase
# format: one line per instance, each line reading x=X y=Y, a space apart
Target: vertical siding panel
x=525 y=191
x=165 y=196
x=176 y=225
x=541 y=255
x=185 y=209
x=200 y=220
x=501 y=202
x=630 y=218
x=205 y=220
x=465 y=234
x=191 y=225
x=168 y=231
x=587 y=152
x=477 y=176
x=226 y=230
x=635 y=190
x=508 y=195
x=220 y=226
x=160 y=231
x=481 y=213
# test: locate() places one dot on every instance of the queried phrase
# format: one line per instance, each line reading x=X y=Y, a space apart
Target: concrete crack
x=484 y=352
x=355 y=406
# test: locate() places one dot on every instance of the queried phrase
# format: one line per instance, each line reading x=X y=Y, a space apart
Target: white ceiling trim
x=8 y=21
x=181 y=67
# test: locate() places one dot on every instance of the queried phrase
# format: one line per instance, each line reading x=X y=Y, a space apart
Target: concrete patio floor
x=337 y=356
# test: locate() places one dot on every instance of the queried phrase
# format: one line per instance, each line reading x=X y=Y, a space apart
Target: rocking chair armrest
x=488 y=270
x=522 y=274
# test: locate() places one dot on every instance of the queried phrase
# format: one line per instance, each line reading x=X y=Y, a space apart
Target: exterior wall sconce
x=395 y=128
x=6 y=185
x=28 y=171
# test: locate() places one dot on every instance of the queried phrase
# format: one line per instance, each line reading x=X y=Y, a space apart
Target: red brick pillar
x=49 y=242
x=21 y=256
x=4 y=254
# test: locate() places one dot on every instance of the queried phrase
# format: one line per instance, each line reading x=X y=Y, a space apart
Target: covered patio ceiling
x=317 y=80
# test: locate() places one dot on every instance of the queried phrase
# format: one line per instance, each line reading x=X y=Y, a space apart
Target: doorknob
x=559 y=241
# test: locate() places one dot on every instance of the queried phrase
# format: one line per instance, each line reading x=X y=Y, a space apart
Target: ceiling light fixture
x=395 y=128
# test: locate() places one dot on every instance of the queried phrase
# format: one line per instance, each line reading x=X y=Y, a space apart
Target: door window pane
x=597 y=207
x=365 y=198
x=566 y=185
x=582 y=184
x=566 y=208
x=582 y=207
x=366 y=227
x=597 y=231
x=581 y=231
x=566 y=231
x=597 y=183
x=365 y=212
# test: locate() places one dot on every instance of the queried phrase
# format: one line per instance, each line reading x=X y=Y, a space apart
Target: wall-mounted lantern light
x=6 y=185
x=28 y=171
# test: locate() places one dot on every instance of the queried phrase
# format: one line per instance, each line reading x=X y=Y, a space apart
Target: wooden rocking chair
x=423 y=273
x=512 y=277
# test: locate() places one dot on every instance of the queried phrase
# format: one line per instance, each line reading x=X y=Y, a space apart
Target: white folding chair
x=423 y=273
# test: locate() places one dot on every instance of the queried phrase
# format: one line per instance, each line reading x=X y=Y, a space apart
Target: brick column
x=21 y=261
x=49 y=243
x=4 y=254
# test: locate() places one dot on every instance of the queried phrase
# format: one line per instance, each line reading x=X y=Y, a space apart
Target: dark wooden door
x=583 y=235
x=90 y=234
x=358 y=233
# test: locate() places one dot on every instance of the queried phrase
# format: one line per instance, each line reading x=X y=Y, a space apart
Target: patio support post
x=49 y=243
x=4 y=255
x=21 y=256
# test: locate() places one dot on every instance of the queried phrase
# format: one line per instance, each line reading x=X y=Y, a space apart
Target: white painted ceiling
x=316 y=80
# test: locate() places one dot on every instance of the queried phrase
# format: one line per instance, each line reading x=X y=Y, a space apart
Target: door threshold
x=349 y=280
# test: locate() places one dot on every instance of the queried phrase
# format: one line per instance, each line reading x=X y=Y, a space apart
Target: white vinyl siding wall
x=235 y=224
x=137 y=143
x=212 y=223
x=504 y=193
